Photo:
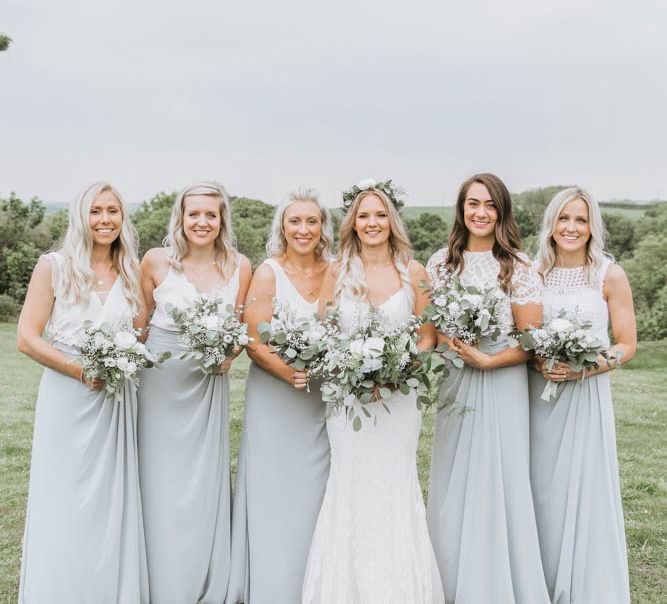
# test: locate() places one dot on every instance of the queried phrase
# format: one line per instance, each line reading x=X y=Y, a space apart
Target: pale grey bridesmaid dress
x=480 y=508
x=282 y=472
x=184 y=460
x=574 y=470
x=84 y=538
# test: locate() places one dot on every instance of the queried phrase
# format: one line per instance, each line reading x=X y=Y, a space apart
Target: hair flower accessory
x=395 y=193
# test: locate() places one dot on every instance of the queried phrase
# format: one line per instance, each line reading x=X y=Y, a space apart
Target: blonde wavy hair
x=547 y=254
x=177 y=243
x=277 y=244
x=75 y=279
x=352 y=277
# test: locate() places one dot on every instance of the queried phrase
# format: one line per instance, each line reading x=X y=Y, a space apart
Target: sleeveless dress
x=371 y=543
x=282 y=472
x=480 y=508
x=84 y=538
x=574 y=470
x=184 y=460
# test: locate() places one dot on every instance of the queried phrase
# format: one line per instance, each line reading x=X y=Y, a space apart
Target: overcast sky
x=265 y=95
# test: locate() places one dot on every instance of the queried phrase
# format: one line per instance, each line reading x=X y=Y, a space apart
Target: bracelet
x=82 y=378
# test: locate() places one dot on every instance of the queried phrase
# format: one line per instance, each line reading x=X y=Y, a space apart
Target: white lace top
x=66 y=325
x=177 y=290
x=482 y=268
x=568 y=289
x=287 y=294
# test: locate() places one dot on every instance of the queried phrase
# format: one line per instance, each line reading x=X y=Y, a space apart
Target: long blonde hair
x=176 y=242
x=352 y=278
x=547 y=254
x=277 y=244
x=75 y=279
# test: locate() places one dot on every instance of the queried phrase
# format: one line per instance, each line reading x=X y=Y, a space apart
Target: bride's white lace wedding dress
x=371 y=543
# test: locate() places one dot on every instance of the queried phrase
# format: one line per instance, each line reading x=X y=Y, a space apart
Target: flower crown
x=392 y=191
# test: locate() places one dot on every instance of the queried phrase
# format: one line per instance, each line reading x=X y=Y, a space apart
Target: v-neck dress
x=84 y=537
x=184 y=460
x=282 y=473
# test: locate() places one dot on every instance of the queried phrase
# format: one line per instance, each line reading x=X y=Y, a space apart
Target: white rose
x=453 y=308
x=131 y=367
x=316 y=333
x=357 y=347
x=373 y=347
x=110 y=362
x=124 y=339
x=139 y=348
x=243 y=339
x=122 y=363
x=440 y=301
x=560 y=325
x=367 y=183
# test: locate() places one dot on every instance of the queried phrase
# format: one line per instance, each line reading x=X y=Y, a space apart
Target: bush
x=9 y=308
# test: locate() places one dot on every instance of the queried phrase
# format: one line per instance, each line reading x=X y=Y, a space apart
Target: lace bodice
x=66 y=324
x=353 y=310
x=176 y=290
x=569 y=289
x=288 y=295
x=482 y=268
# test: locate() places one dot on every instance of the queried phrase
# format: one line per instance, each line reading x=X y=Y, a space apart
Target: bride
x=371 y=542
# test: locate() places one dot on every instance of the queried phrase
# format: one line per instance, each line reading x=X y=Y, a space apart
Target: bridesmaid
x=184 y=460
x=574 y=470
x=480 y=509
x=284 y=457
x=84 y=538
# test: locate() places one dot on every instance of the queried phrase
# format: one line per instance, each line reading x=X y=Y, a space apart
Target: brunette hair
x=507 y=244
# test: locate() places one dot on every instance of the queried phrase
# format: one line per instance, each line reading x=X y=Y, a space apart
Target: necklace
x=311 y=292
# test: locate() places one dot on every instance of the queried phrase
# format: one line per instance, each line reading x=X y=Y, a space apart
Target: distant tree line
x=26 y=231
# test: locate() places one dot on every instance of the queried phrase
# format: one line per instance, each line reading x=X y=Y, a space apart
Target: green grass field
x=640 y=391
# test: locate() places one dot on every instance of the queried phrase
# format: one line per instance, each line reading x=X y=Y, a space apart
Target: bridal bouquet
x=115 y=356
x=466 y=312
x=209 y=332
x=373 y=361
x=563 y=338
x=299 y=341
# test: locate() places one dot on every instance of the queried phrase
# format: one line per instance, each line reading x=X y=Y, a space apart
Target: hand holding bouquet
x=115 y=356
x=465 y=311
x=299 y=341
x=374 y=360
x=209 y=332
x=563 y=339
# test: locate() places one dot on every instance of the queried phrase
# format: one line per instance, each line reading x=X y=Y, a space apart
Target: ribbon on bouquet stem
x=549 y=391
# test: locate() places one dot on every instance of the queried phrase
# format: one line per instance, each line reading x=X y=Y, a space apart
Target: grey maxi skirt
x=283 y=468
x=480 y=508
x=574 y=473
x=84 y=536
x=184 y=469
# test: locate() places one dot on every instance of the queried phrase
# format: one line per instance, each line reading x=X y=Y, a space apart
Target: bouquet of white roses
x=465 y=311
x=209 y=332
x=374 y=360
x=299 y=341
x=563 y=338
x=115 y=356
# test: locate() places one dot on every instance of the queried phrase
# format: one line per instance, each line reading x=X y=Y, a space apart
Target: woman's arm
x=617 y=291
x=326 y=300
x=245 y=274
x=32 y=322
x=258 y=308
x=153 y=268
x=420 y=281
